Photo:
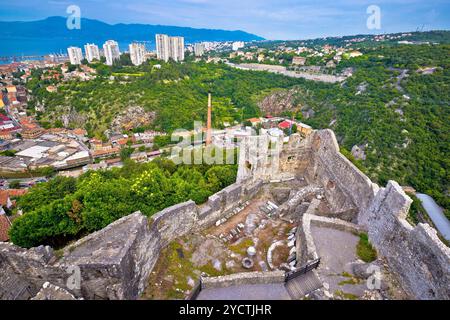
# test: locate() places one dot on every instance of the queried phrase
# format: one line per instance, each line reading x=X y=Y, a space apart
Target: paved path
x=337 y=250
x=247 y=292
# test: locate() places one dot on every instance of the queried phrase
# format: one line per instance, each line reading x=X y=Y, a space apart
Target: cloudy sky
x=271 y=19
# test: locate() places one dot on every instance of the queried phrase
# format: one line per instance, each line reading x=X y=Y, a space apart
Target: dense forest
x=397 y=104
x=65 y=209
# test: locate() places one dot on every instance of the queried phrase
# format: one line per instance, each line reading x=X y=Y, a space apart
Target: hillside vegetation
x=65 y=209
x=176 y=92
x=395 y=106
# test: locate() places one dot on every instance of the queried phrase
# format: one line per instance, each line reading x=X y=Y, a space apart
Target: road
x=436 y=214
x=293 y=74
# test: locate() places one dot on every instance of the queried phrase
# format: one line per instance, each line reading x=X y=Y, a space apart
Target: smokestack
x=208 y=124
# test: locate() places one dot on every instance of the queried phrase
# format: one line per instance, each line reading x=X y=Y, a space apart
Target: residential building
x=162 y=47
x=237 y=45
x=199 y=49
x=137 y=53
x=111 y=51
x=92 y=52
x=176 y=48
x=304 y=128
x=300 y=61
x=169 y=48
x=75 y=55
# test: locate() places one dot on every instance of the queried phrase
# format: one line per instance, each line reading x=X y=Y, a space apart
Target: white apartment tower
x=75 y=55
x=111 y=51
x=176 y=48
x=162 y=47
x=92 y=52
x=199 y=49
x=137 y=53
x=169 y=47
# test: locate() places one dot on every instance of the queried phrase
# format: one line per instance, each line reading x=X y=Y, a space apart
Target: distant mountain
x=94 y=30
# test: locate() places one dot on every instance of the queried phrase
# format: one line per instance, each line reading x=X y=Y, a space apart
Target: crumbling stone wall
x=347 y=189
x=115 y=262
x=416 y=255
x=317 y=158
x=23 y=272
x=244 y=278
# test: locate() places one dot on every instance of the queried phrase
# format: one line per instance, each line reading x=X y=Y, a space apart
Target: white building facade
x=75 y=55
x=169 y=48
x=237 y=45
x=111 y=51
x=137 y=53
x=199 y=49
x=92 y=52
x=162 y=47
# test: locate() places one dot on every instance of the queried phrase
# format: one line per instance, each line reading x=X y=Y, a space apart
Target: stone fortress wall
x=115 y=262
x=415 y=254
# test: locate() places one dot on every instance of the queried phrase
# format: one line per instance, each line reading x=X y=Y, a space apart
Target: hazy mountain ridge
x=91 y=30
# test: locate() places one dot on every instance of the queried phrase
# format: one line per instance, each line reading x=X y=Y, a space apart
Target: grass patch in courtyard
x=345 y=295
x=365 y=251
x=241 y=248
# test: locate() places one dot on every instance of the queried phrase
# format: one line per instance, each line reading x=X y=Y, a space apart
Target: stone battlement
x=115 y=262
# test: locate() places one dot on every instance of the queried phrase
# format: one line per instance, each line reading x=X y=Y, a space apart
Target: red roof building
x=286 y=124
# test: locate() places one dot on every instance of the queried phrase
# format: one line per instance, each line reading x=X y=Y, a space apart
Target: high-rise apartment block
x=199 y=49
x=162 y=47
x=111 y=51
x=137 y=53
x=176 y=48
x=92 y=52
x=75 y=55
x=169 y=47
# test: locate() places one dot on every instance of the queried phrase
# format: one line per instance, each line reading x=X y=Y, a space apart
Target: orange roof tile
x=4 y=196
x=16 y=192
x=5 y=225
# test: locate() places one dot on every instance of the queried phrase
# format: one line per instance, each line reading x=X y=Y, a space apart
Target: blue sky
x=272 y=19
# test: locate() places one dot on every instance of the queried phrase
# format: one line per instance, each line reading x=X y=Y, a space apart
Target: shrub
x=365 y=250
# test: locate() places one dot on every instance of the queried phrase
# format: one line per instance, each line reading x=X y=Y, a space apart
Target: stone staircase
x=302 y=285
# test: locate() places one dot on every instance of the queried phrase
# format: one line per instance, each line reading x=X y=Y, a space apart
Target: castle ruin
x=115 y=262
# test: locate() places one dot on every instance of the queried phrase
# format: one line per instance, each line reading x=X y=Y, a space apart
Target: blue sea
x=38 y=47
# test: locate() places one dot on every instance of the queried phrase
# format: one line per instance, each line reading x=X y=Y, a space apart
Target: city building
x=75 y=55
x=111 y=51
x=169 y=48
x=237 y=45
x=162 y=47
x=199 y=49
x=176 y=48
x=92 y=52
x=137 y=53
x=300 y=61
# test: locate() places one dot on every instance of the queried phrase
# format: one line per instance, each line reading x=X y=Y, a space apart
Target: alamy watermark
x=74 y=19
x=374 y=19
x=225 y=146
x=374 y=280
x=74 y=280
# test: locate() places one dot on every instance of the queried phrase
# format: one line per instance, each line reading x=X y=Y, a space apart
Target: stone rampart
x=244 y=278
x=415 y=254
x=115 y=262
